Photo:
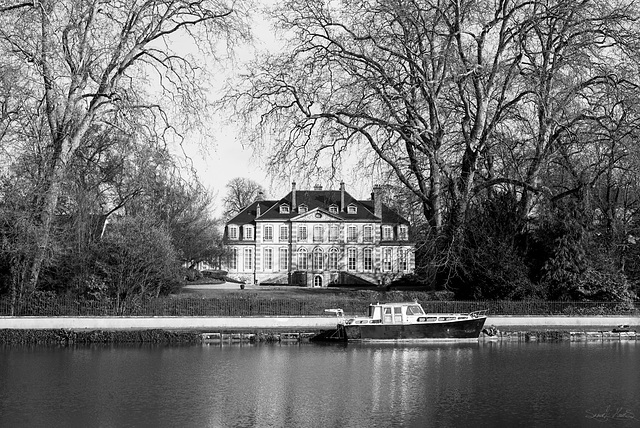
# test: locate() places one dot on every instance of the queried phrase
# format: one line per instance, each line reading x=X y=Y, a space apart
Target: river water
x=492 y=384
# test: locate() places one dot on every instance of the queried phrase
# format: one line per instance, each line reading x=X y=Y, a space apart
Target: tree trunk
x=436 y=195
x=46 y=208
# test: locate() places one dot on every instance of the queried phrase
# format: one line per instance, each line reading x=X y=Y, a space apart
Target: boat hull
x=459 y=329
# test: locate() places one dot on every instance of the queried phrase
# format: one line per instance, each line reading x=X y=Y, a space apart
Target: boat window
x=387 y=315
x=397 y=311
x=446 y=318
x=431 y=319
x=414 y=310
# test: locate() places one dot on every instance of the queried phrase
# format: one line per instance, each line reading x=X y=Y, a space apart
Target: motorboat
x=407 y=321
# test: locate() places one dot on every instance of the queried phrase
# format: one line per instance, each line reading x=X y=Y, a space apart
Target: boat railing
x=480 y=313
x=339 y=312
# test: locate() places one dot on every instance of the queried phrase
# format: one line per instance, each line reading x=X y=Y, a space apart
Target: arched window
x=268 y=233
x=352 y=258
x=284 y=258
x=318 y=259
x=302 y=259
x=368 y=234
x=317 y=281
x=386 y=259
x=233 y=259
x=367 y=259
x=318 y=233
x=267 y=259
x=333 y=259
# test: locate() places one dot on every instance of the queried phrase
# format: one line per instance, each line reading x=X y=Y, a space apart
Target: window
x=303 y=209
x=302 y=259
x=402 y=259
x=403 y=233
x=248 y=259
x=414 y=310
x=318 y=233
x=352 y=258
x=333 y=209
x=284 y=209
x=284 y=259
x=317 y=259
x=267 y=259
x=368 y=259
x=284 y=233
x=317 y=281
x=386 y=259
x=302 y=233
x=368 y=234
x=352 y=233
x=352 y=209
x=387 y=233
x=233 y=232
x=268 y=233
x=233 y=259
x=333 y=259
x=248 y=233
x=333 y=233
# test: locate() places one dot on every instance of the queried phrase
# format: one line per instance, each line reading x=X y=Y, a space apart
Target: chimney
x=317 y=187
x=293 y=196
x=377 y=201
x=260 y=196
x=342 y=207
x=258 y=210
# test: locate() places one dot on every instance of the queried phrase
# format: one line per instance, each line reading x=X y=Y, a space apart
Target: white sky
x=224 y=156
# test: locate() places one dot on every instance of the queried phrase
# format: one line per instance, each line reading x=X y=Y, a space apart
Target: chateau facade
x=318 y=238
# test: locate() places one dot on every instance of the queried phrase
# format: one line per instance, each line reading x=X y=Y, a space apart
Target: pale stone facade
x=319 y=238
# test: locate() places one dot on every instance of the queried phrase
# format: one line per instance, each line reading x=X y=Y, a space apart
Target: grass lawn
x=264 y=291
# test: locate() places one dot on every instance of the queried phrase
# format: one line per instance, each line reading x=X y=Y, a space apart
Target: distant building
x=319 y=238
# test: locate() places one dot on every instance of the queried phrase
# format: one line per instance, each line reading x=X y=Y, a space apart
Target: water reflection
x=455 y=384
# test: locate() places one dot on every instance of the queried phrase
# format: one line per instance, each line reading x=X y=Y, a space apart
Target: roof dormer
x=284 y=209
x=303 y=208
x=333 y=209
x=352 y=209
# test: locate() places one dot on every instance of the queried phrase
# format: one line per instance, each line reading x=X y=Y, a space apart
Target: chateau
x=319 y=238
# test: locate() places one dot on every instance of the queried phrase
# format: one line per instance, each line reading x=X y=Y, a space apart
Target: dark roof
x=248 y=214
x=388 y=215
x=321 y=199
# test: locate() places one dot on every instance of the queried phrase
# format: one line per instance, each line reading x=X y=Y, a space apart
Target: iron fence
x=255 y=305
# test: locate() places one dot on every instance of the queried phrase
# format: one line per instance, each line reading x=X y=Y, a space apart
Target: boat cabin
x=403 y=313
x=395 y=313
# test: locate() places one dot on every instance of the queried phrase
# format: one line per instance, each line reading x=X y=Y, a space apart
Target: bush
x=136 y=258
x=215 y=274
x=412 y=281
x=191 y=274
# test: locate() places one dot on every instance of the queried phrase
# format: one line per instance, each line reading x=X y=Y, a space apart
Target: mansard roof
x=388 y=215
x=248 y=214
x=321 y=199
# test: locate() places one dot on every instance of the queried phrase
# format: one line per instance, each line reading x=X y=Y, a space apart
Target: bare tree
x=86 y=62
x=435 y=89
x=422 y=84
x=240 y=193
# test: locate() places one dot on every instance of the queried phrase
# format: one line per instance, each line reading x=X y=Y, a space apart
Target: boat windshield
x=414 y=310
